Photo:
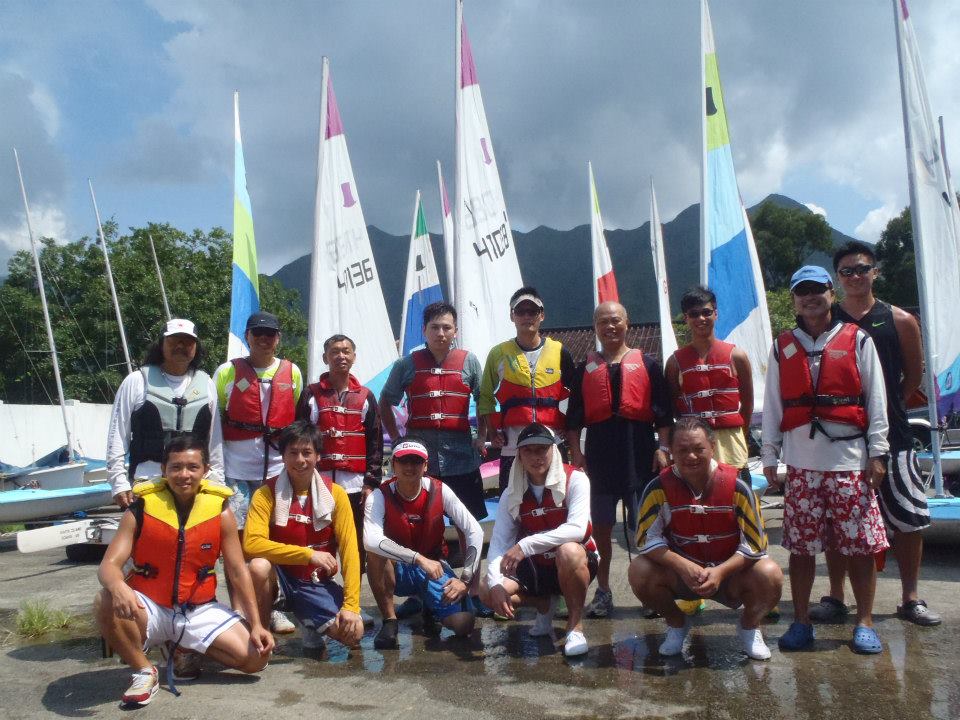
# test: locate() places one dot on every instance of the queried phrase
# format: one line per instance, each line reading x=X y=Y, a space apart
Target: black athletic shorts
x=542 y=580
x=469 y=488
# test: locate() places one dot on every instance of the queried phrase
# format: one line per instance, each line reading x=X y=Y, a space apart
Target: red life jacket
x=174 y=562
x=439 y=399
x=243 y=419
x=634 y=389
x=709 y=389
x=838 y=396
x=415 y=524
x=299 y=531
x=537 y=517
x=703 y=529
x=344 y=435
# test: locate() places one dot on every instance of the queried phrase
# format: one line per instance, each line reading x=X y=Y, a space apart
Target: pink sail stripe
x=468 y=71
x=607 y=288
x=334 y=124
x=348 y=199
x=903 y=6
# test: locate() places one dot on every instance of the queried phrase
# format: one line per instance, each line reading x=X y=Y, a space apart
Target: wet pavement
x=502 y=672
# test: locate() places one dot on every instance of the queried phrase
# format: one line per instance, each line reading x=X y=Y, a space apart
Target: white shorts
x=196 y=630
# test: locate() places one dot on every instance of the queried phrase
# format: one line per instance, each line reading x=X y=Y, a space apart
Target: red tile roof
x=578 y=340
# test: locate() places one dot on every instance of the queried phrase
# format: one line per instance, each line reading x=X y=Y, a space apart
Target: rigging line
x=26 y=353
x=64 y=303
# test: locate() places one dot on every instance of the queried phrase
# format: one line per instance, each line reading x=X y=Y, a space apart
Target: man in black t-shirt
x=903 y=502
x=620 y=396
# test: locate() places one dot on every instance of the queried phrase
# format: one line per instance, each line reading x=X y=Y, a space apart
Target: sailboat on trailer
x=345 y=293
x=422 y=286
x=729 y=264
x=485 y=258
x=59 y=487
x=936 y=240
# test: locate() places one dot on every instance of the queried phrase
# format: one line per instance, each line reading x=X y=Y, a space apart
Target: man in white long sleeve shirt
x=542 y=545
x=403 y=532
x=825 y=411
x=169 y=396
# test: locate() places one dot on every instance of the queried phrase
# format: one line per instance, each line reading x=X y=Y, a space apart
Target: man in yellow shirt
x=296 y=525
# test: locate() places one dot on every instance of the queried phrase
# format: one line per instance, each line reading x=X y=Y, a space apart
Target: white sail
x=668 y=338
x=448 y=234
x=729 y=263
x=422 y=286
x=935 y=236
x=486 y=268
x=604 y=281
x=345 y=293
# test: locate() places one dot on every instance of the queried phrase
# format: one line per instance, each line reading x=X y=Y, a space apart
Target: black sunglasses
x=410 y=460
x=809 y=289
x=701 y=313
x=264 y=332
x=860 y=270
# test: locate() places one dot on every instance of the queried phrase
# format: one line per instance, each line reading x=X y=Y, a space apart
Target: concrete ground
x=502 y=672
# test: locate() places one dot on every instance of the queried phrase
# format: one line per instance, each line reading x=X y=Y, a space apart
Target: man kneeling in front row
x=296 y=524
x=174 y=532
x=701 y=536
x=403 y=533
x=542 y=545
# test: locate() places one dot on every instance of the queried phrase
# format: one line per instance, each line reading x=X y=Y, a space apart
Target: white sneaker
x=542 y=625
x=576 y=644
x=143 y=686
x=280 y=624
x=753 y=644
x=312 y=640
x=673 y=643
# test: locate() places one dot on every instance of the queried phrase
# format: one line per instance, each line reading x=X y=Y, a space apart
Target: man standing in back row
x=620 y=396
x=896 y=334
x=258 y=396
x=527 y=377
x=712 y=380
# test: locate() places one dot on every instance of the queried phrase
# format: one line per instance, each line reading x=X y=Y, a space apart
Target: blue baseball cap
x=811 y=273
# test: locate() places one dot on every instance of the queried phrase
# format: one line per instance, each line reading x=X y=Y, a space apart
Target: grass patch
x=11 y=528
x=37 y=618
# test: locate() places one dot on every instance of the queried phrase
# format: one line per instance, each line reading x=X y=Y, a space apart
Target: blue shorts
x=411 y=580
x=315 y=605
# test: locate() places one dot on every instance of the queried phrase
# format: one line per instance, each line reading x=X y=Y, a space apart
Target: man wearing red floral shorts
x=825 y=411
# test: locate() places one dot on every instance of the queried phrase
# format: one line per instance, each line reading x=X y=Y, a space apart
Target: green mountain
x=557 y=263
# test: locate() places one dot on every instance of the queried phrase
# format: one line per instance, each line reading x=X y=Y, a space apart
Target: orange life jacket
x=415 y=524
x=344 y=435
x=838 y=396
x=709 y=388
x=439 y=399
x=703 y=529
x=243 y=418
x=174 y=563
x=543 y=516
x=299 y=531
x=635 y=401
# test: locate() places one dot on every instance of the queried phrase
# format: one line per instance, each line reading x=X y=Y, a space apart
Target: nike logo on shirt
x=879 y=324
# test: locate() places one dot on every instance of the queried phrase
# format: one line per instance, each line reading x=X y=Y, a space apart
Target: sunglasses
x=701 y=313
x=809 y=289
x=859 y=270
x=410 y=460
x=264 y=332
x=523 y=311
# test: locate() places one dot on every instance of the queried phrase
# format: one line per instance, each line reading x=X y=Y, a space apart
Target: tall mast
x=457 y=294
x=46 y=312
x=113 y=288
x=314 y=342
x=156 y=264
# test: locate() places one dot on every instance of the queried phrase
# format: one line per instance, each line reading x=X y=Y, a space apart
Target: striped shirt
x=653 y=530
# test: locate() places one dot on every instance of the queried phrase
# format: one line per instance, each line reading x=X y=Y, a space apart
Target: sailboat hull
x=56 y=491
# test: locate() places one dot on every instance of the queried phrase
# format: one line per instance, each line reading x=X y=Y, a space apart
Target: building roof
x=580 y=339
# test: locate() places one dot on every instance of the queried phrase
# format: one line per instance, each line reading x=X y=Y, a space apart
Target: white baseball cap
x=178 y=326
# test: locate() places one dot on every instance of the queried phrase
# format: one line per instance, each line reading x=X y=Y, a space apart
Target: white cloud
x=816 y=209
x=875 y=222
x=48 y=221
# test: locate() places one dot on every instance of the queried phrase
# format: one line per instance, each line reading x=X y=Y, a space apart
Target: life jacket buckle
x=334 y=433
x=436 y=416
x=436 y=371
x=702 y=539
x=340 y=409
x=537 y=512
x=435 y=393
x=698 y=510
x=335 y=456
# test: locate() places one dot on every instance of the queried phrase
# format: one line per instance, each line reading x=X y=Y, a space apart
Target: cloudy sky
x=137 y=95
